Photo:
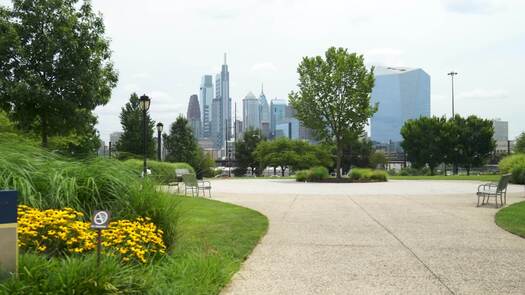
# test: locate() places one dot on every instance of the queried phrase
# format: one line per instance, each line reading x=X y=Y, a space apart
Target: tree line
x=460 y=142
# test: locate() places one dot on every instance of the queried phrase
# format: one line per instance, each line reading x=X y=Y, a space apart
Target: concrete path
x=400 y=237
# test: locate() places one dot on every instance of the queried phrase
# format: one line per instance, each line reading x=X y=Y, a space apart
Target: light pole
x=144 y=106
x=160 y=126
x=452 y=74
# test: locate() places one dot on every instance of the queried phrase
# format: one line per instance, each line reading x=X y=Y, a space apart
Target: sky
x=162 y=48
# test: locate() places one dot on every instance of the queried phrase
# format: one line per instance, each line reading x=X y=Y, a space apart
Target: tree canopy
x=334 y=96
x=132 y=139
x=244 y=149
x=520 y=143
x=56 y=66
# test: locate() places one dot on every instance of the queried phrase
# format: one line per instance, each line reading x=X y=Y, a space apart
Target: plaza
x=398 y=237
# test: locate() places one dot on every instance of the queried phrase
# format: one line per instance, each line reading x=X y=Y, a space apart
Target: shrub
x=302 y=175
x=365 y=174
x=508 y=163
x=411 y=171
x=518 y=175
x=313 y=174
x=162 y=172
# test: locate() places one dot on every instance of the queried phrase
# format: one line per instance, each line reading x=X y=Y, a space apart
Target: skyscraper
x=194 y=115
x=401 y=94
x=264 y=109
x=250 y=111
x=206 y=97
x=278 y=109
x=222 y=93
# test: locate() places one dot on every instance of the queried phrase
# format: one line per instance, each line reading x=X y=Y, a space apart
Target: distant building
x=194 y=116
x=239 y=129
x=114 y=138
x=278 y=109
x=266 y=130
x=206 y=98
x=501 y=136
x=215 y=123
x=264 y=109
x=250 y=112
x=222 y=94
x=401 y=94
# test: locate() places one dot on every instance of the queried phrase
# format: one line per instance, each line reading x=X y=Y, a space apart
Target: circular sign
x=100 y=218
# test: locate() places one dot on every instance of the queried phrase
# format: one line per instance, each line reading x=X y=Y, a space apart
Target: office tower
x=114 y=137
x=277 y=114
x=401 y=94
x=264 y=109
x=239 y=129
x=194 y=115
x=222 y=93
x=215 y=121
x=250 y=111
x=501 y=136
x=206 y=97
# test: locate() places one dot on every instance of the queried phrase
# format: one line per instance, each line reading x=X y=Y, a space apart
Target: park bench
x=191 y=183
x=495 y=190
x=179 y=173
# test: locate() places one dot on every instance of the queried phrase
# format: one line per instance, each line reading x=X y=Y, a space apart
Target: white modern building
x=401 y=94
x=250 y=112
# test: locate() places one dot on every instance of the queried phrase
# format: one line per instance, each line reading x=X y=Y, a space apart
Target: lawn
x=512 y=219
x=488 y=178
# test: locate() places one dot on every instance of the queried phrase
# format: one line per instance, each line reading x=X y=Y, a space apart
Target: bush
x=518 y=175
x=508 y=163
x=365 y=175
x=162 y=172
x=410 y=171
x=313 y=174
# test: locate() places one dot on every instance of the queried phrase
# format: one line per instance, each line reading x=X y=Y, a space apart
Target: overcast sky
x=162 y=48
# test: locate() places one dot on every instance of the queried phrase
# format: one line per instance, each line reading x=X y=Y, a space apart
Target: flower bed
x=56 y=232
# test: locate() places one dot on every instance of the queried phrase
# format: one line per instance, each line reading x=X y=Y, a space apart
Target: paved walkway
x=400 y=237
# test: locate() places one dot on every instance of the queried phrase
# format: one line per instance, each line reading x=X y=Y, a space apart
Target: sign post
x=100 y=221
x=8 y=232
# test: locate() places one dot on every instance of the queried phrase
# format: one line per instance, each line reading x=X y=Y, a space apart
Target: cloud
x=473 y=6
x=484 y=94
x=264 y=67
x=384 y=57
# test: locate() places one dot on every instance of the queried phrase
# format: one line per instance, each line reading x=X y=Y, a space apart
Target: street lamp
x=144 y=106
x=160 y=126
x=452 y=74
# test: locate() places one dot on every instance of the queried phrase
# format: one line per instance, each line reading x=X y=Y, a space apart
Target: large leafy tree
x=132 y=139
x=520 y=143
x=476 y=142
x=180 y=143
x=244 y=149
x=334 y=96
x=55 y=67
x=356 y=152
x=297 y=154
x=424 y=141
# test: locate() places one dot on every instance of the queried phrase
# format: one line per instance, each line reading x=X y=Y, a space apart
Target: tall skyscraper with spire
x=206 y=97
x=264 y=108
x=222 y=93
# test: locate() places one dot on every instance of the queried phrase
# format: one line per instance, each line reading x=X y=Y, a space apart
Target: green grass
x=512 y=219
x=494 y=178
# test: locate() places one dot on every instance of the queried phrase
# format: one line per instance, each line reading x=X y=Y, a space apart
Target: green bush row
x=313 y=174
x=514 y=164
x=365 y=174
x=162 y=172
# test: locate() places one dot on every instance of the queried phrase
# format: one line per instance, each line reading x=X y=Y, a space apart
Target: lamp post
x=452 y=74
x=160 y=126
x=144 y=106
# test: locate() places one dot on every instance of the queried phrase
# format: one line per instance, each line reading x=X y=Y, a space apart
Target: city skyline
x=489 y=65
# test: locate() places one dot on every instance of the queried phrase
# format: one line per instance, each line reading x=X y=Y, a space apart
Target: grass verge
x=512 y=219
x=489 y=178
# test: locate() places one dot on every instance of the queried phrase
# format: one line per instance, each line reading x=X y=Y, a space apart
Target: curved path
x=400 y=237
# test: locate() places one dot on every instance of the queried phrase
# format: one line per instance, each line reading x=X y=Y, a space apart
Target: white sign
x=100 y=219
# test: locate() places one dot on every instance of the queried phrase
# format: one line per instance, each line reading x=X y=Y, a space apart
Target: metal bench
x=191 y=183
x=495 y=190
x=179 y=173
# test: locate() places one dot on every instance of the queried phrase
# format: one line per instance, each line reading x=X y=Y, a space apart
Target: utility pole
x=452 y=74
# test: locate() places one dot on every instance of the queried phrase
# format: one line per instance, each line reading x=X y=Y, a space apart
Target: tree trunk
x=468 y=170
x=282 y=170
x=44 y=131
x=274 y=171
x=431 y=170
x=338 y=159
